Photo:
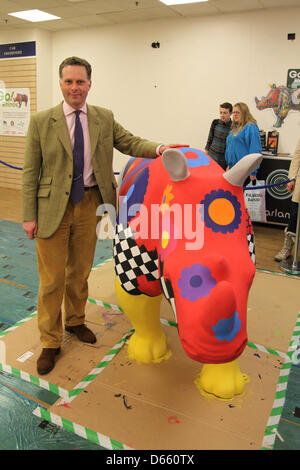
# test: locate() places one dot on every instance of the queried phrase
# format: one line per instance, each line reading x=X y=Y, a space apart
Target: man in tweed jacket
x=66 y=231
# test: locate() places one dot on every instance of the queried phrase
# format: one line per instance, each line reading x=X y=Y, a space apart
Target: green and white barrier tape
x=272 y=424
x=61 y=392
x=101 y=303
x=93 y=436
x=101 y=264
x=277 y=273
x=96 y=437
x=19 y=323
x=264 y=349
x=280 y=395
x=97 y=370
x=273 y=421
x=25 y=375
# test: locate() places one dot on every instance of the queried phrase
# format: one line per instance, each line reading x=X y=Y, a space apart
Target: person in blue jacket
x=244 y=137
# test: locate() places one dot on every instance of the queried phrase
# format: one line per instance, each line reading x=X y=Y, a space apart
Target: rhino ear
x=243 y=168
x=176 y=164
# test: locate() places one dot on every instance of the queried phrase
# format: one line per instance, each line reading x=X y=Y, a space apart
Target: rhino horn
x=243 y=168
x=176 y=164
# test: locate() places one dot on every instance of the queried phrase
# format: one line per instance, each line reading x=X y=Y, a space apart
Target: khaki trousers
x=64 y=263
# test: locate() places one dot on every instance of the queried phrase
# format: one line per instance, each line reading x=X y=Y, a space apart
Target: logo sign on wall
x=18 y=49
x=293 y=82
x=14 y=111
x=293 y=78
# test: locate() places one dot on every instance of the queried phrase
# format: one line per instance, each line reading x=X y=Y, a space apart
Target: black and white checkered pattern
x=132 y=261
x=168 y=293
x=251 y=247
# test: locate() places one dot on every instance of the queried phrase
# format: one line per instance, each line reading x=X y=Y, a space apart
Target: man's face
x=75 y=85
x=225 y=114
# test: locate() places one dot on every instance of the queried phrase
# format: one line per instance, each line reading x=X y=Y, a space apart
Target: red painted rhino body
x=203 y=262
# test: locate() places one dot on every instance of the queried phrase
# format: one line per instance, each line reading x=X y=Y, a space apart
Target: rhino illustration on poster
x=281 y=99
x=20 y=98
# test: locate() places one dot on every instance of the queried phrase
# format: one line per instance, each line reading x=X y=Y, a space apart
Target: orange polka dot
x=221 y=211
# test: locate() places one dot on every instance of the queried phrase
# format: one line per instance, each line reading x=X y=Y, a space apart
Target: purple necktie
x=77 y=189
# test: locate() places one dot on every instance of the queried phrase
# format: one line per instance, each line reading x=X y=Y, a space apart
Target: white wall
x=171 y=94
x=44 y=57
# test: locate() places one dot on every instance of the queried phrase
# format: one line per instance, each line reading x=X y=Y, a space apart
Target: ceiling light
x=34 y=15
x=181 y=2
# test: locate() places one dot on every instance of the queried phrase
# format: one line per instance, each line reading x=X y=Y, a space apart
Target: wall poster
x=14 y=111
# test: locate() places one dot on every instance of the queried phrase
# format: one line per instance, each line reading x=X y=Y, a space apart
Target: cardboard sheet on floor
x=157 y=406
x=21 y=348
x=273 y=307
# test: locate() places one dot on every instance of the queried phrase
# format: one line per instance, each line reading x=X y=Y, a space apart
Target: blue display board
x=18 y=49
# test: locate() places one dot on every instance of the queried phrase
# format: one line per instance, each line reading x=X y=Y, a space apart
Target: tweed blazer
x=48 y=162
x=294 y=171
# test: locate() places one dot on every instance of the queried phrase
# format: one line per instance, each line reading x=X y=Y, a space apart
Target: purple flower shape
x=196 y=281
x=227 y=329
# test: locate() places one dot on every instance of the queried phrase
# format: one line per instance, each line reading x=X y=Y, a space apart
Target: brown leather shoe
x=82 y=332
x=46 y=362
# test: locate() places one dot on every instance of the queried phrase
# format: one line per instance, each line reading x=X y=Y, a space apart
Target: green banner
x=293 y=78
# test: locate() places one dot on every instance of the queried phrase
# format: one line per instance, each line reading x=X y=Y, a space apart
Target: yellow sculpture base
x=222 y=381
x=148 y=343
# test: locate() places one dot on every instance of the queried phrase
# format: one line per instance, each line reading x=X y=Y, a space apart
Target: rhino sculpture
x=19 y=98
x=183 y=231
x=281 y=99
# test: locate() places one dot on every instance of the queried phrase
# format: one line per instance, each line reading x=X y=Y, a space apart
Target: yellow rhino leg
x=148 y=342
x=222 y=380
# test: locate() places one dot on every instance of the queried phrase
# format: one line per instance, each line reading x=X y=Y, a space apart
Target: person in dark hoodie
x=219 y=130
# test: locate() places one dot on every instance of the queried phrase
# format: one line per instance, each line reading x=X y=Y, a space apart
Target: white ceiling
x=85 y=13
